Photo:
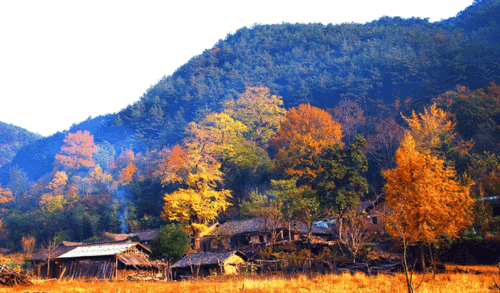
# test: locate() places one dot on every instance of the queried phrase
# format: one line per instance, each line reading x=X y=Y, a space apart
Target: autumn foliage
x=259 y=111
x=304 y=133
x=77 y=150
x=127 y=173
x=199 y=200
x=427 y=201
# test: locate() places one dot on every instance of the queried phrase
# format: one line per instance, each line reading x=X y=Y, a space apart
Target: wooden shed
x=204 y=264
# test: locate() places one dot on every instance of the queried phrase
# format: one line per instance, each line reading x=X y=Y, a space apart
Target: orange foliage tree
x=127 y=173
x=304 y=133
x=77 y=151
x=60 y=179
x=427 y=203
x=5 y=197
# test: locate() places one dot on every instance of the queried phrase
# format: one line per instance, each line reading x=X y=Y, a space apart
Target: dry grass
x=321 y=283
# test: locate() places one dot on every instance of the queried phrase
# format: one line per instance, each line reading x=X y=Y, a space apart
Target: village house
x=95 y=261
x=245 y=234
x=374 y=212
x=209 y=263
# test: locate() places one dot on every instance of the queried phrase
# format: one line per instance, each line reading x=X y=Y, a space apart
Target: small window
x=206 y=246
x=374 y=220
x=261 y=238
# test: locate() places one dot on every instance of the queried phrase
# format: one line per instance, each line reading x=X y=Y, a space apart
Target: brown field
x=451 y=282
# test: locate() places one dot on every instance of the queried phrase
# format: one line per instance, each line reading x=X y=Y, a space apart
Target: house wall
x=97 y=268
x=231 y=264
x=258 y=238
x=40 y=269
x=89 y=268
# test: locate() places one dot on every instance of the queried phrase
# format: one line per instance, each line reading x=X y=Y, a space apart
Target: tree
x=218 y=135
x=127 y=173
x=382 y=145
x=356 y=230
x=485 y=171
x=170 y=244
x=350 y=115
x=199 y=200
x=59 y=181
x=5 y=197
x=304 y=133
x=77 y=151
x=434 y=131
x=305 y=207
x=266 y=208
x=476 y=114
x=259 y=111
x=105 y=155
x=341 y=183
x=428 y=203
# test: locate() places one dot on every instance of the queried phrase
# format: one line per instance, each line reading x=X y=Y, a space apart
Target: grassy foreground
x=320 y=283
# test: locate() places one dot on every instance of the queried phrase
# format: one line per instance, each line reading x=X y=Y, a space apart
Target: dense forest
x=270 y=110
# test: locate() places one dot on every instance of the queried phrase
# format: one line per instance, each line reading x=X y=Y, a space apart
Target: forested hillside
x=321 y=64
x=12 y=138
x=267 y=110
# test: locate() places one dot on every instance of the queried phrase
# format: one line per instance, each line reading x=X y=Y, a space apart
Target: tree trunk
x=433 y=261
x=409 y=284
x=423 y=258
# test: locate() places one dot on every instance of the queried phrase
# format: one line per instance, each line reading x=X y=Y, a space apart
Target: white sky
x=63 y=61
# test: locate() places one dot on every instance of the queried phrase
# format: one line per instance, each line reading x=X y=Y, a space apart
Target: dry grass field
x=453 y=282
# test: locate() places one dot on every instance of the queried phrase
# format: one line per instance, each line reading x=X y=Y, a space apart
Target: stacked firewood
x=377 y=268
x=9 y=277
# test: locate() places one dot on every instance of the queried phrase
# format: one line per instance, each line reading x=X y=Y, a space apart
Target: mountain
x=374 y=63
x=12 y=138
x=321 y=64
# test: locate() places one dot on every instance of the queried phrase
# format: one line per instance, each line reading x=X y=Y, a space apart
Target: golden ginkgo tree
x=428 y=204
x=199 y=199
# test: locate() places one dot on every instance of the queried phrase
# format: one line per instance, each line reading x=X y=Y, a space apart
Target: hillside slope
x=12 y=138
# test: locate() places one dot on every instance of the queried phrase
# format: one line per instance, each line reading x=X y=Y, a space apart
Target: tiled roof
x=207 y=258
x=117 y=237
x=256 y=225
x=99 y=250
x=144 y=235
x=147 y=235
x=240 y=227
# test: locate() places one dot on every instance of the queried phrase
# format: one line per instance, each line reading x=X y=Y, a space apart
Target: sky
x=64 y=61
